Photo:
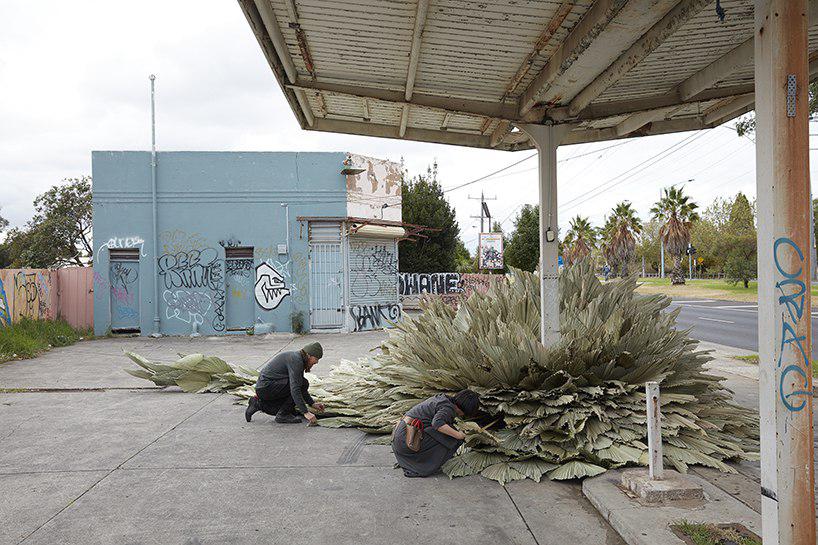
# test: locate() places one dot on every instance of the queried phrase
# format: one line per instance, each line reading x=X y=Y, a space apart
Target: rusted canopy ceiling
x=463 y=72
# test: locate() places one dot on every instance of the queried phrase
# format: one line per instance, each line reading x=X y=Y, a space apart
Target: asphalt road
x=729 y=323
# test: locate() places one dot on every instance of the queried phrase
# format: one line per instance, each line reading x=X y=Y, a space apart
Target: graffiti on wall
x=187 y=306
x=196 y=270
x=434 y=283
x=373 y=270
x=124 y=242
x=123 y=280
x=5 y=315
x=294 y=272
x=793 y=361
x=270 y=288
x=25 y=294
x=176 y=240
x=374 y=316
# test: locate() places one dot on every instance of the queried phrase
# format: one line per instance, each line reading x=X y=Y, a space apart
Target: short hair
x=467 y=401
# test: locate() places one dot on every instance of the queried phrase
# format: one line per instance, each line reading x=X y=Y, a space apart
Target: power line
x=480 y=179
x=490 y=175
x=615 y=181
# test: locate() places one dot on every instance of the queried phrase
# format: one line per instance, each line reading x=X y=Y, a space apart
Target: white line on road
x=715 y=320
x=686 y=301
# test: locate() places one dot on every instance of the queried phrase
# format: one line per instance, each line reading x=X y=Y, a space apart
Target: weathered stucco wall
x=209 y=202
x=369 y=191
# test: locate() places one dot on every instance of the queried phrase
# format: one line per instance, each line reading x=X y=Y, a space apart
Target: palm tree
x=677 y=213
x=619 y=234
x=579 y=240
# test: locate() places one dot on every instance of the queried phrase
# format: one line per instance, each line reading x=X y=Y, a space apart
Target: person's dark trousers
x=276 y=398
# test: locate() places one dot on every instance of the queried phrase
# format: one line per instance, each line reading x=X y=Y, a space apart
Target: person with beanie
x=283 y=391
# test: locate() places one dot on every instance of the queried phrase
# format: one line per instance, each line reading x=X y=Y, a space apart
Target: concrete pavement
x=125 y=462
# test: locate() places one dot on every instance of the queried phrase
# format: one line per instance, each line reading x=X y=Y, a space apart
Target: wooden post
x=784 y=324
x=656 y=467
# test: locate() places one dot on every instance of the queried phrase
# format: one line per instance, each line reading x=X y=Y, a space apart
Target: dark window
x=244 y=252
x=124 y=254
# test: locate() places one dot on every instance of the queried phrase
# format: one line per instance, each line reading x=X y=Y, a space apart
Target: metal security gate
x=124 y=280
x=373 y=282
x=326 y=276
x=373 y=271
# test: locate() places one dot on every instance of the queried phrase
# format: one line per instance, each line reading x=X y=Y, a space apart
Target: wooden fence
x=43 y=294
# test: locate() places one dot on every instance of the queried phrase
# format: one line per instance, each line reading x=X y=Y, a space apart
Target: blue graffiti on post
x=793 y=298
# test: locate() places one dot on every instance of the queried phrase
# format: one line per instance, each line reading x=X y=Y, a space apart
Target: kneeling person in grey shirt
x=283 y=391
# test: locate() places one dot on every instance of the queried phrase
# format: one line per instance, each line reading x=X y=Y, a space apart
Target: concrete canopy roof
x=466 y=73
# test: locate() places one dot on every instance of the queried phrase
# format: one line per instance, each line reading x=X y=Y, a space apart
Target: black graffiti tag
x=123 y=276
x=191 y=269
x=374 y=316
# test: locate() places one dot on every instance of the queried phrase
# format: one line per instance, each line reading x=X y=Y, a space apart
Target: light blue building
x=257 y=242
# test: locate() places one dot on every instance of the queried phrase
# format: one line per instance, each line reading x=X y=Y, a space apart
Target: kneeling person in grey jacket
x=282 y=389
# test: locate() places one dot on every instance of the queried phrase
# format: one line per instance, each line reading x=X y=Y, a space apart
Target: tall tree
x=620 y=233
x=738 y=243
x=677 y=213
x=3 y=223
x=579 y=240
x=424 y=204
x=60 y=233
x=523 y=248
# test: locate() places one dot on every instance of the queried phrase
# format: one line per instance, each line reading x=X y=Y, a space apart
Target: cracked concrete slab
x=295 y=506
x=29 y=500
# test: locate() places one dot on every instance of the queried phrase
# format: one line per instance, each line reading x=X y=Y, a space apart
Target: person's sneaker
x=288 y=419
x=252 y=408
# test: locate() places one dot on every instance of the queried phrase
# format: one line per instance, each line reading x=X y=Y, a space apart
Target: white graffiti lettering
x=270 y=288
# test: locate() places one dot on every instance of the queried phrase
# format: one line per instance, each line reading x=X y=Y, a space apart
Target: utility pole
x=661 y=248
x=155 y=221
x=484 y=210
x=662 y=257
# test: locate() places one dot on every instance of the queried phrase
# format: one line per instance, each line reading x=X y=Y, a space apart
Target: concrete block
x=642 y=523
x=673 y=486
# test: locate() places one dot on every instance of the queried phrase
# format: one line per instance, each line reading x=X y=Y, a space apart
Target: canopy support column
x=784 y=306
x=547 y=138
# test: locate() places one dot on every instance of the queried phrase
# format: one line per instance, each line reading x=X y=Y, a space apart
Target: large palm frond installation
x=571 y=410
x=677 y=213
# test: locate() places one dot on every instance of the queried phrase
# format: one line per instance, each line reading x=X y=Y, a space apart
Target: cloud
x=75 y=79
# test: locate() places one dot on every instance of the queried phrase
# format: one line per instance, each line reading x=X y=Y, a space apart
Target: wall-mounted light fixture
x=350 y=169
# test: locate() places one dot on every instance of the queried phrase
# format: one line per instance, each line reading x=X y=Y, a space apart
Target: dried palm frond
x=568 y=411
x=196 y=373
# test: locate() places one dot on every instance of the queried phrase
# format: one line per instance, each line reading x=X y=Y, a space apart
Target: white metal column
x=784 y=325
x=547 y=138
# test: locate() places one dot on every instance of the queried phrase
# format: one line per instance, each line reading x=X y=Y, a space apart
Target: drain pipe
x=154 y=206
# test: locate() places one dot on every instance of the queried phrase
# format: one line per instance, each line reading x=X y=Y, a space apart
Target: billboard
x=491 y=250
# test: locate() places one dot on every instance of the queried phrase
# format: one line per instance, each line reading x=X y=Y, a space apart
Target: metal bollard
x=654 y=430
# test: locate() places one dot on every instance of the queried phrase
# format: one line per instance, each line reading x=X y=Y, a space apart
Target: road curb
x=640 y=524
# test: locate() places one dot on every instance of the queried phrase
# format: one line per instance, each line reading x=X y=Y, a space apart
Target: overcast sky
x=74 y=78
